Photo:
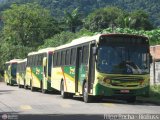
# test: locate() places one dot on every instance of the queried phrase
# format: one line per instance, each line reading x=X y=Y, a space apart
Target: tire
x=63 y=93
x=86 y=97
x=19 y=86
x=10 y=83
x=25 y=86
x=131 y=99
x=32 y=88
x=43 y=90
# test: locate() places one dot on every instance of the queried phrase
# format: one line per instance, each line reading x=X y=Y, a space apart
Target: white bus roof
x=24 y=60
x=46 y=50
x=31 y=53
x=14 y=60
x=80 y=40
x=42 y=51
x=91 y=38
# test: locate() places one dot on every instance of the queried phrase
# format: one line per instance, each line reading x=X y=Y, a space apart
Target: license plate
x=124 y=91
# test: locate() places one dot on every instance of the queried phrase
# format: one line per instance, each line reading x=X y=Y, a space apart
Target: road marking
x=65 y=105
x=109 y=104
x=26 y=107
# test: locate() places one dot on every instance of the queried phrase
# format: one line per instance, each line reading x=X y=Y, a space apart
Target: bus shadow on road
x=53 y=92
x=116 y=101
x=119 y=101
x=6 y=91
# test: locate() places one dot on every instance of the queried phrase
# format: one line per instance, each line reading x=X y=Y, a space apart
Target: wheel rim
x=62 y=89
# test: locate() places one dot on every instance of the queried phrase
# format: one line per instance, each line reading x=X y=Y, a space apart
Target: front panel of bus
x=122 y=66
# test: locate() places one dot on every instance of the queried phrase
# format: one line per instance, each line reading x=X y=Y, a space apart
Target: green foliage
x=64 y=37
x=27 y=24
x=104 y=18
x=139 y=20
x=115 y=17
x=87 y=6
x=73 y=19
x=153 y=35
x=58 y=39
x=25 y=27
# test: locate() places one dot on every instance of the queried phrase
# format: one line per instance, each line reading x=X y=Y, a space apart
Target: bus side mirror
x=44 y=61
x=94 y=50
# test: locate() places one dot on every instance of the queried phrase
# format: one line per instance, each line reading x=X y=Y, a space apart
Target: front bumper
x=101 y=90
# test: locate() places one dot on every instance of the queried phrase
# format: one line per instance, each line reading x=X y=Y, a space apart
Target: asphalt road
x=20 y=104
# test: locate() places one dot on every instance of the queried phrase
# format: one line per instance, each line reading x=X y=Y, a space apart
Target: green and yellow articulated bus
x=10 y=71
x=113 y=65
x=38 y=70
x=21 y=72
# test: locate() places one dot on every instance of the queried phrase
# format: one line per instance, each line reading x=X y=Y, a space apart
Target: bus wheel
x=63 y=94
x=131 y=99
x=25 y=86
x=19 y=86
x=32 y=88
x=10 y=83
x=42 y=89
x=86 y=97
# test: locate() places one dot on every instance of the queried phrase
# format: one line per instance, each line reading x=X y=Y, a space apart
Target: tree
x=139 y=20
x=27 y=24
x=104 y=18
x=25 y=27
x=73 y=19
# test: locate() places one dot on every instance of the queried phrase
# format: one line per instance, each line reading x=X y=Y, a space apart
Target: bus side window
x=73 y=56
x=31 y=60
x=59 y=58
x=63 y=57
x=40 y=59
x=27 y=61
x=54 y=59
x=67 y=57
x=85 y=54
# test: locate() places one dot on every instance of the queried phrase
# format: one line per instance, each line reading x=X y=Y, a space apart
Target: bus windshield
x=14 y=69
x=123 y=59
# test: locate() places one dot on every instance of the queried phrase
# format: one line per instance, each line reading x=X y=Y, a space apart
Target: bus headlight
x=141 y=82
x=107 y=80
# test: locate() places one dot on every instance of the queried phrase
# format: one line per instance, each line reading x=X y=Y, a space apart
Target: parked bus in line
x=38 y=70
x=10 y=71
x=115 y=65
x=21 y=72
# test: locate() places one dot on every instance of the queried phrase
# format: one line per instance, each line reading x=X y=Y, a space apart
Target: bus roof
x=45 y=50
x=91 y=38
x=50 y=49
x=32 y=53
x=13 y=61
x=79 y=41
x=23 y=60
